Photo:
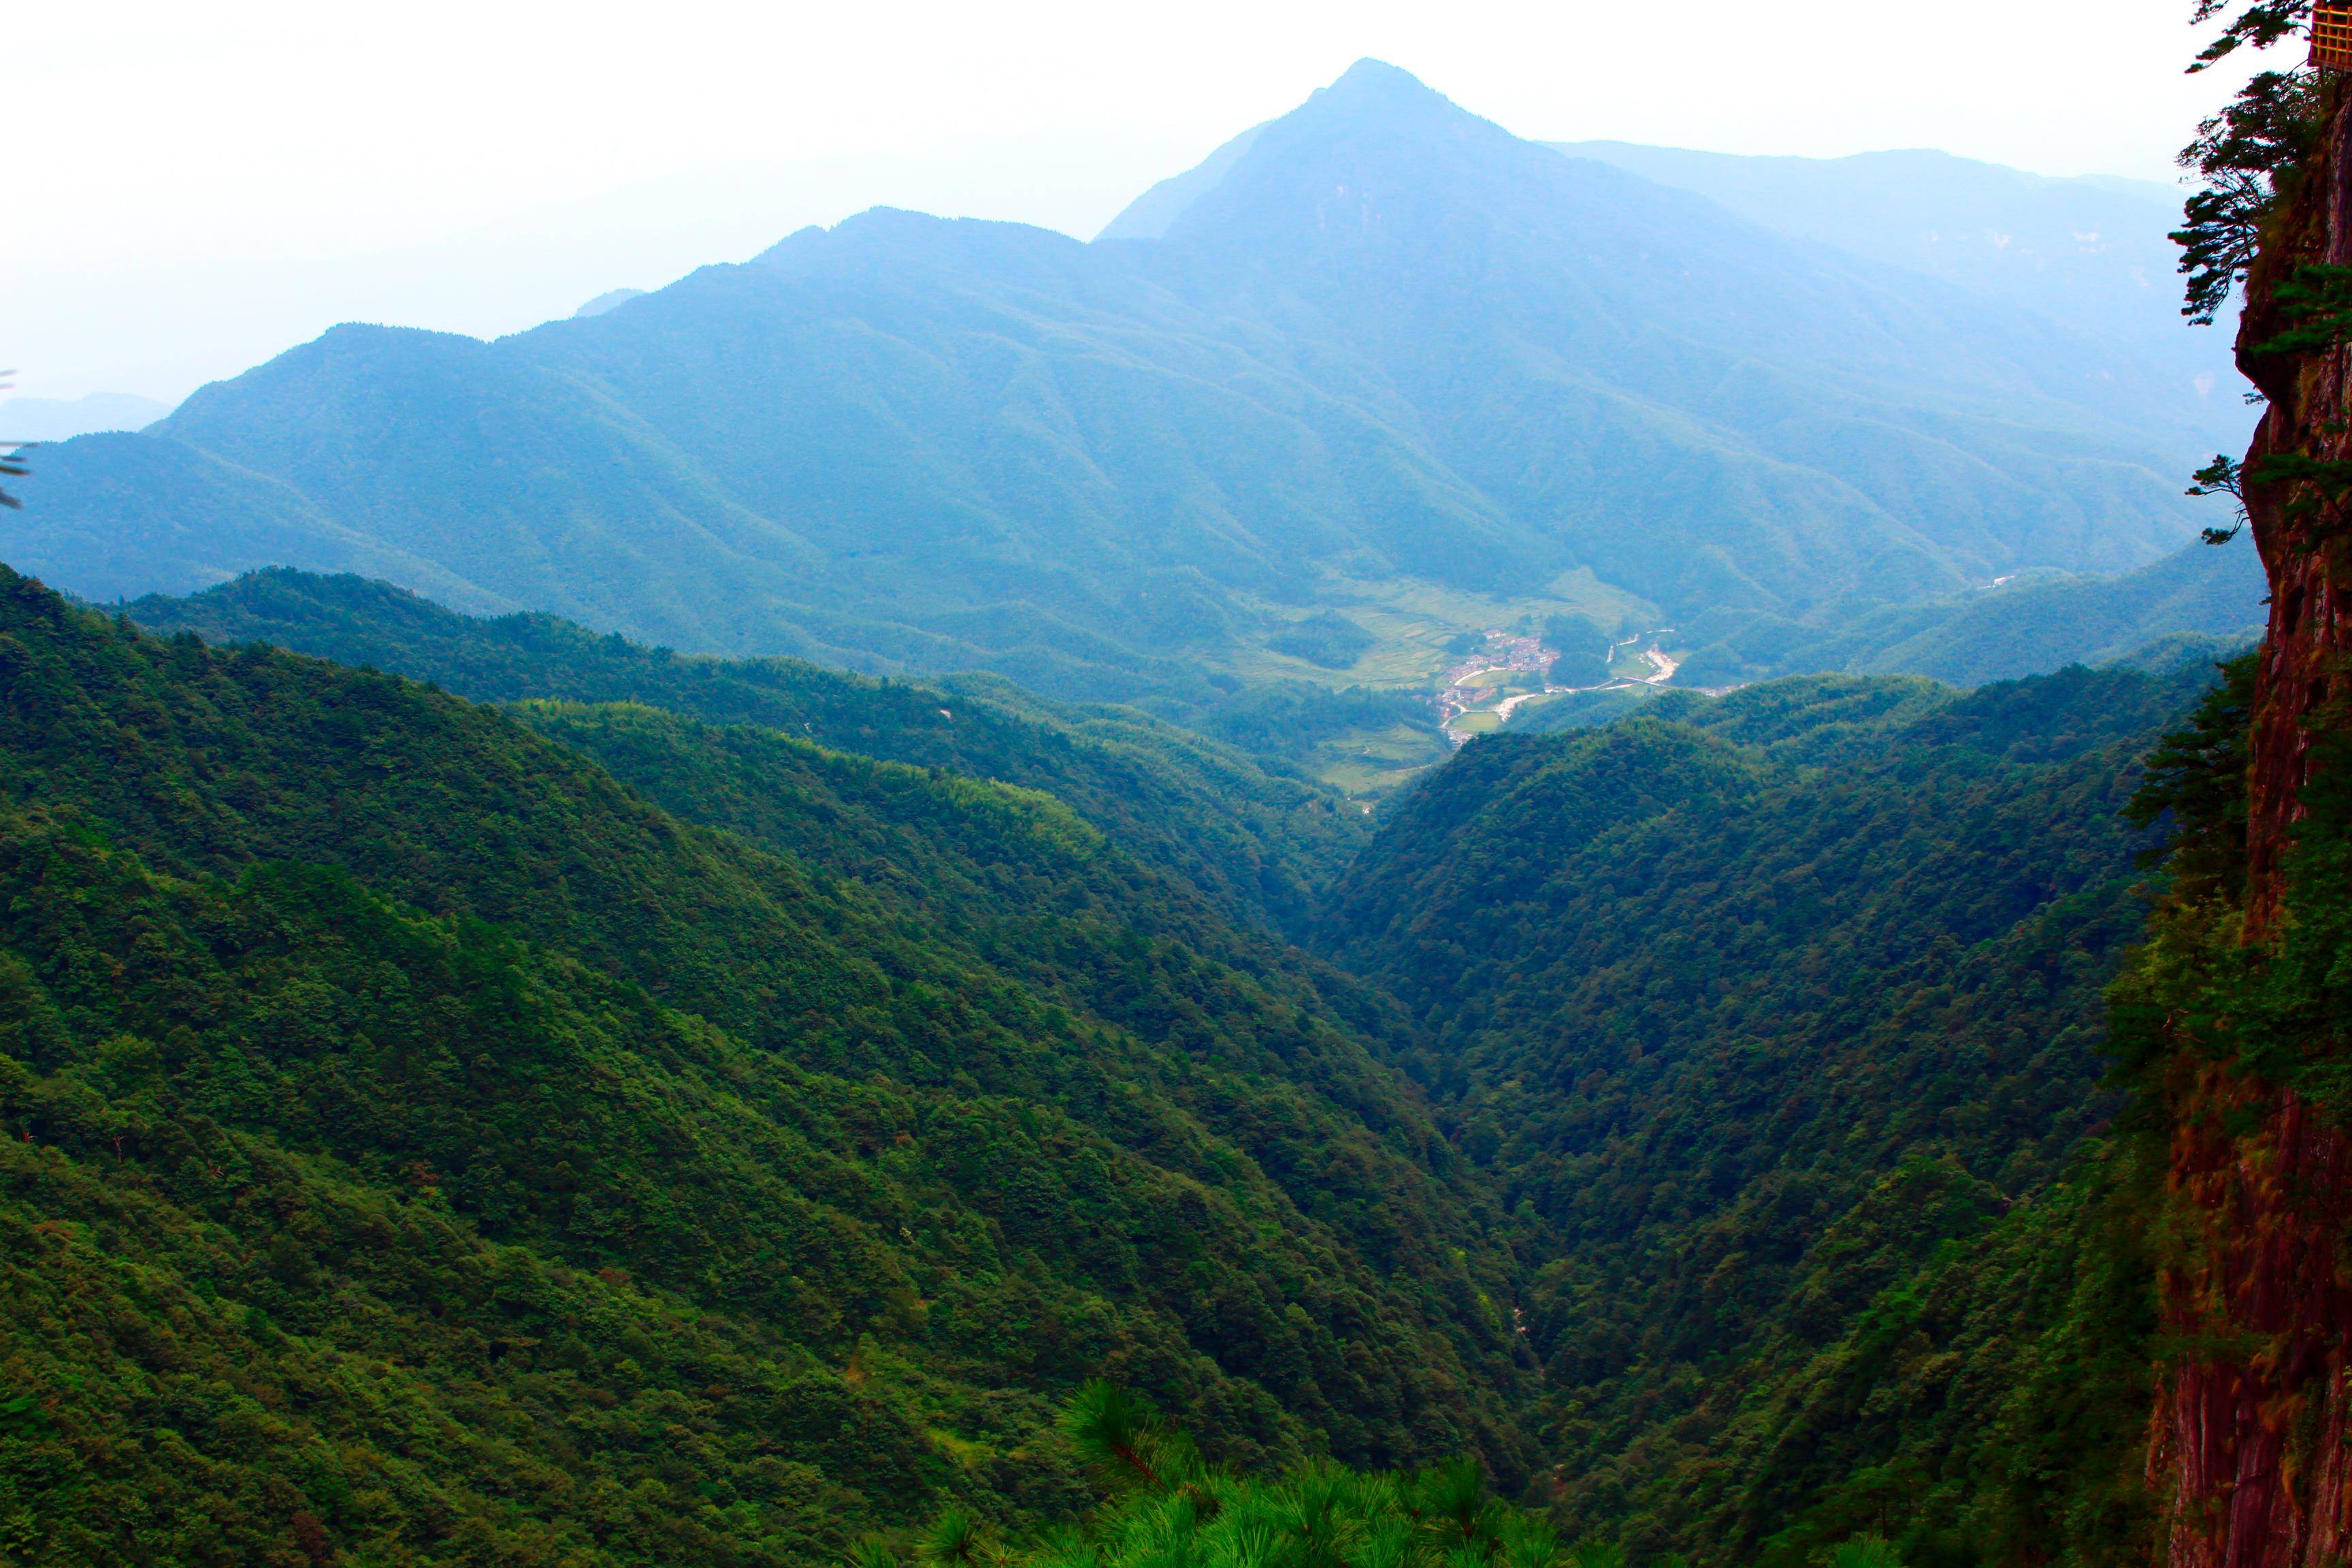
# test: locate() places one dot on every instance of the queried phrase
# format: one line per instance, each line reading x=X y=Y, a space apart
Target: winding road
x=1661 y=669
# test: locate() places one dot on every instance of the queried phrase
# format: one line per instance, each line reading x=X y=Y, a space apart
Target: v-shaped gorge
x=751 y=1141
x=1384 y=342
x=1779 y=1018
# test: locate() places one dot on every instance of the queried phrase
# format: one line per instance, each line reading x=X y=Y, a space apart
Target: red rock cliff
x=2249 y=1440
x=2304 y=555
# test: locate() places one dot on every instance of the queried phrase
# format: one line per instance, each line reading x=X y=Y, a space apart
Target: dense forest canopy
x=1253 y=841
x=1763 y=1006
x=775 y=1076
x=321 y=985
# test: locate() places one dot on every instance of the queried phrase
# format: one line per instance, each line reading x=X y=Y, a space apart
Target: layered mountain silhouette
x=1381 y=338
x=2092 y=252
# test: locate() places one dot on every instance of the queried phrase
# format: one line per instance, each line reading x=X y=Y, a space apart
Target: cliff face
x=2249 y=1440
x=2303 y=546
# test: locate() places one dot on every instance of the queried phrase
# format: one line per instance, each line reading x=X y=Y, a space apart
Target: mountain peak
x=1376 y=89
x=1368 y=94
x=1369 y=75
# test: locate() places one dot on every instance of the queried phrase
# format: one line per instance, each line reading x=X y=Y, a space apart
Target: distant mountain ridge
x=1150 y=215
x=2094 y=253
x=1393 y=344
x=2025 y=628
x=63 y=418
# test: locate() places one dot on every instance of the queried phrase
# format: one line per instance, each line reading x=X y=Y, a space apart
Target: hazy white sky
x=165 y=157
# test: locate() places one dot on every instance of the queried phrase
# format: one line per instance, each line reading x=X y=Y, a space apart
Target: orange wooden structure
x=2331 y=36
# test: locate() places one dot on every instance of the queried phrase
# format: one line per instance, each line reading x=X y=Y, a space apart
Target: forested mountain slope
x=1762 y=1005
x=2196 y=608
x=846 y=1112
x=2199 y=596
x=1254 y=843
x=422 y=1146
x=1485 y=378
x=2093 y=251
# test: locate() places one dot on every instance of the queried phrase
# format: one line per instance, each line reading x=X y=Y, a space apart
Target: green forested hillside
x=1769 y=1008
x=2203 y=598
x=1255 y=844
x=640 y=1124
x=423 y=1147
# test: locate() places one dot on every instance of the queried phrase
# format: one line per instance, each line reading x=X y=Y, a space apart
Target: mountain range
x=2091 y=253
x=63 y=418
x=1382 y=360
x=487 y=1085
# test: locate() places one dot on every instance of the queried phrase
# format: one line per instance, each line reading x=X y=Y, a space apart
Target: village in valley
x=1481 y=692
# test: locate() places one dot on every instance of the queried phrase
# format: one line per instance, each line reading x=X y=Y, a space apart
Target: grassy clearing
x=1371 y=765
x=1412 y=623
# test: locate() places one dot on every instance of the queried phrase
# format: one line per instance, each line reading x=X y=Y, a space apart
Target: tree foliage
x=421 y=1143
x=753 y=1144
x=2249 y=154
x=1779 y=1018
x=1250 y=842
x=1317 y=1514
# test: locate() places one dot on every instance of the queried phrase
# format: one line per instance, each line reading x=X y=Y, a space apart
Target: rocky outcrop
x=2249 y=1438
x=2303 y=541
x=2249 y=1441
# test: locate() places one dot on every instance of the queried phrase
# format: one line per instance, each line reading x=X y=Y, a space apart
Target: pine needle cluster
x=1168 y=1507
